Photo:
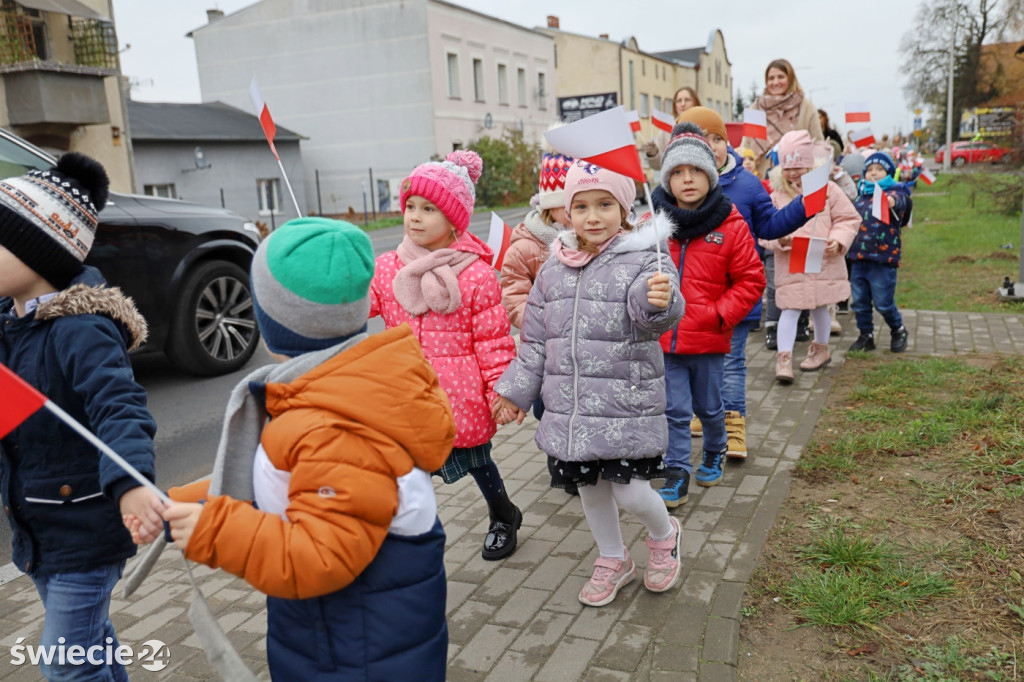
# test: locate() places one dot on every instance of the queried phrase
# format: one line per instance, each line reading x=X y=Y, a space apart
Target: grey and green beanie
x=310 y=284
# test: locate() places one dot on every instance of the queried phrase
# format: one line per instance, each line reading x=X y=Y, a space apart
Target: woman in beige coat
x=786 y=108
x=838 y=224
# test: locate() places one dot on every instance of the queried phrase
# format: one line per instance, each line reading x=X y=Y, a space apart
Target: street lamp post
x=948 y=156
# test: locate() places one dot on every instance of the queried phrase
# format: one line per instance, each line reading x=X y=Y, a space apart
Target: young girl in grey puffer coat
x=591 y=326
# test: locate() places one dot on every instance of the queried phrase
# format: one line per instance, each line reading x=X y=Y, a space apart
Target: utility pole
x=948 y=156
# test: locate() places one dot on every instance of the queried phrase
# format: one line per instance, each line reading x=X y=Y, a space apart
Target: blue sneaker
x=677 y=487
x=710 y=471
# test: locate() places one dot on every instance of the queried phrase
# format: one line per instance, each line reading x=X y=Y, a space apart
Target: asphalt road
x=189 y=410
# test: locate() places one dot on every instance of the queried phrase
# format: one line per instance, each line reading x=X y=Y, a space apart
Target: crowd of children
x=630 y=335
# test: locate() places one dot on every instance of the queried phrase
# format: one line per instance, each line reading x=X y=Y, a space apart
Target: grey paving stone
x=500 y=585
x=721 y=640
x=515 y=666
x=672 y=657
x=624 y=646
x=521 y=607
x=542 y=633
x=717 y=672
x=604 y=675
x=699 y=587
x=485 y=648
x=728 y=600
x=569 y=660
x=467 y=620
x=683 y=625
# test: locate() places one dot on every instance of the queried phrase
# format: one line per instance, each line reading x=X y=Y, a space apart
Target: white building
x=378 y=85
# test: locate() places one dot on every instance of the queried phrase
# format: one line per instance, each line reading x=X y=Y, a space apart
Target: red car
x=972 y=152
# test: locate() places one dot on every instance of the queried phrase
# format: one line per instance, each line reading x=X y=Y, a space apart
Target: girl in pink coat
x=440 y=282
x=837 y=224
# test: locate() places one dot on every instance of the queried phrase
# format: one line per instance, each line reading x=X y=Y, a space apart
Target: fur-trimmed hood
x=89 y=295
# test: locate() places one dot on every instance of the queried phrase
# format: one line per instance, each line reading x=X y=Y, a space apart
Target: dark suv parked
x=186 y=266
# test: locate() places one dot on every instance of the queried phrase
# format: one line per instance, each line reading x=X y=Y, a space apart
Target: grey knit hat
x=310 y=284
x=688 y=147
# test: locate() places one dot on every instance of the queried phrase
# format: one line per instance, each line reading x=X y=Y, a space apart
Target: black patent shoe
x=501 y=538
x=771 y=340
x=864 y=342
x=898 y=343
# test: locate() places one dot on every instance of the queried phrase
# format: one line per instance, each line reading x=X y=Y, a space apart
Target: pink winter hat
x=584 y=176
x=448 y=185
x=796 y=150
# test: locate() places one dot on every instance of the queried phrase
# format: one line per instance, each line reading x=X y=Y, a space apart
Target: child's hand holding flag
x=659 y=290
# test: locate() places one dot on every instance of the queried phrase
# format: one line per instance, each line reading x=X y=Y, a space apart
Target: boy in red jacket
x=721 y=278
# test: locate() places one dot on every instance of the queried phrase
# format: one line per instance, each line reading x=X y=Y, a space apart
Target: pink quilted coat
x=469 y=348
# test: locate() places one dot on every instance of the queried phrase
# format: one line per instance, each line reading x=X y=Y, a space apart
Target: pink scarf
x=430 y=279
x=782 y=113
x=575 y=258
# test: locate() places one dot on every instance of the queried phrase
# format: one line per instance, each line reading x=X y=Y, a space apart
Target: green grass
x=953 y=257
x=949 y=662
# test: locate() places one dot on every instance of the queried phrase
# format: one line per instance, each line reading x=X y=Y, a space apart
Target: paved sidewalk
x=520 y=619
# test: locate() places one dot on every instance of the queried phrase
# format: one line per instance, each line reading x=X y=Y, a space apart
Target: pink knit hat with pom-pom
x=448 y=185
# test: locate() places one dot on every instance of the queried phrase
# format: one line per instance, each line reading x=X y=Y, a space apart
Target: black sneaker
x=866 y=341
x=501 y=538
x=771 y=340
x=898 y=344
x=677 y=487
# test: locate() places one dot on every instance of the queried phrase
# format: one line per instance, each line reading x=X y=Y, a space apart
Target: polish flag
x=634 y=120
x=806 y=255
x=19 y=401
x=260 y=107
x=498 y=239
x=858 y=112
x=862 y=137
x=815 y=189
x=662 y=121
x=604 y=139
x=755 y=124
x=927 y=176
x=880 y=205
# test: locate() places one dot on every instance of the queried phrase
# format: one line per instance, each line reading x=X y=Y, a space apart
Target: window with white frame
x=502 y=84
x=453 y=76
x=269 y=191
x=657 y=103
x=166 y=191
x=645 y=111
x=478 y=80
x=521 y=86
x=542 y=91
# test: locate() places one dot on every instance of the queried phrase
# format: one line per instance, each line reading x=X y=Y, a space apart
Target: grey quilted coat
x=593 y=352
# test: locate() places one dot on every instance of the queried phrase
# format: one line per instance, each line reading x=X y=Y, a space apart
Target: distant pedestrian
x=324 y=502
x=590 y=347
x=685 y=98
x=875 y=254
x=68 y=334
x=837 y=223
x=721 y=279
x=440 y=282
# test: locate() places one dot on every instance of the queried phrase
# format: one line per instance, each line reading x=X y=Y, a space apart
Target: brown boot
x=736 y=433
x=784 y=367
x=817 y=357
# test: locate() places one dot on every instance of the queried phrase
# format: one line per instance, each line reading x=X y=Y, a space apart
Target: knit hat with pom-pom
x=448 y=184
x=688 y=147
x=48 y=218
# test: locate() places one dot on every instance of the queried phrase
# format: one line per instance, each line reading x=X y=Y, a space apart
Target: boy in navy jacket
x=65 y=333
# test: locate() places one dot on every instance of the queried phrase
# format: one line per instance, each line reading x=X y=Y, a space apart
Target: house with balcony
x=60 y=81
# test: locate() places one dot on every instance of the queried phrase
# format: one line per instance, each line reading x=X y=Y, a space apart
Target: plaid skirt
x=461 y=460
x=614 y=470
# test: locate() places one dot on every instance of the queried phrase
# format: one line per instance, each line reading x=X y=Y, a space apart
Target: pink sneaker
x=663 y=565
x=609 y=576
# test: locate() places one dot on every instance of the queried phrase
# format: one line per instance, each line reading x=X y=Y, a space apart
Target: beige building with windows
x=60 y=81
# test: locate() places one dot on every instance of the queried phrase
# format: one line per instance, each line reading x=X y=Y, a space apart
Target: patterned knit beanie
x=688 y=147
x=48 y=218
x=796 y=150
x=883 y=160
x=448 y=185
x=310 y=284
x=553 y=169
x=707 y=119
x=584 y=176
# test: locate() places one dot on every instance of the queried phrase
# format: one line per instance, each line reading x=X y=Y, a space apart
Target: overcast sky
x=842 y=51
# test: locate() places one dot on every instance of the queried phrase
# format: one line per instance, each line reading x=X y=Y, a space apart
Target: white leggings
x=601 y=504
x=787 y=327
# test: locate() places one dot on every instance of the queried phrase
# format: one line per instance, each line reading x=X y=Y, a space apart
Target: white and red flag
x=880 y=205
x=858 y=112
x=862 y=137
x=499 y=237
x=19 y=400
x=755 y=124
x=634 y=120
x=927 y=176
x=806 y=255
x=815 y=189
x=662 y=121
x=260 y=106
x=604 y=139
